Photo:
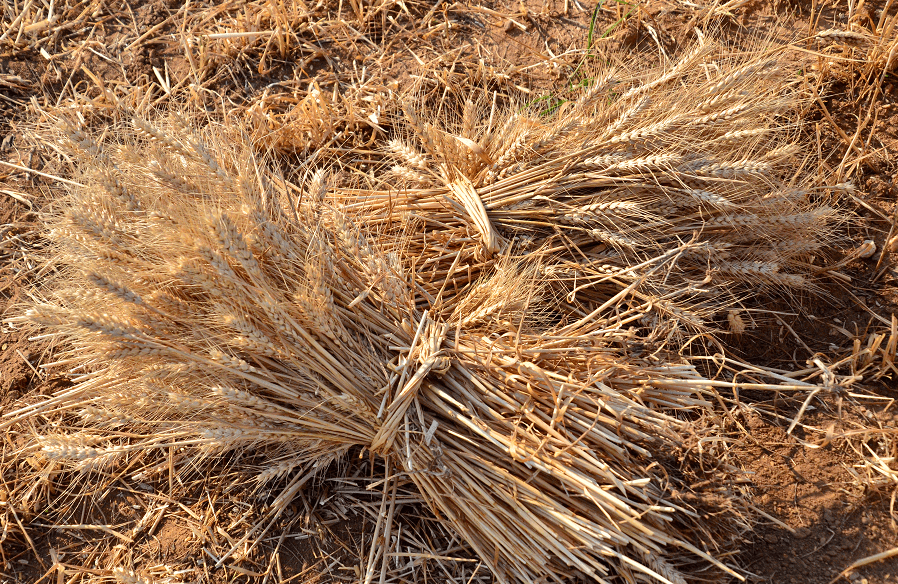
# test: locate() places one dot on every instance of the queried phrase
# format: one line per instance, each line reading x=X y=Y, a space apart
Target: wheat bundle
x=475 y=328
x=684 y=185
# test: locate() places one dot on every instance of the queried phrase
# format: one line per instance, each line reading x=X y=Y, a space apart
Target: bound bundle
x=483 y=313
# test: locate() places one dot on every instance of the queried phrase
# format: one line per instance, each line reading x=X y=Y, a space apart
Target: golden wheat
x=478 y=331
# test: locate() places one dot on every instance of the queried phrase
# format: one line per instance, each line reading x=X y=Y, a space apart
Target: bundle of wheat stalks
x=489 y=324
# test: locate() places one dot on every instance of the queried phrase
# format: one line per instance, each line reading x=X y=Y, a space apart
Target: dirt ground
x=816 y=518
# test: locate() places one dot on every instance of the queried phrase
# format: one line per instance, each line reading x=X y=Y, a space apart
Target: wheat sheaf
x=487 y=312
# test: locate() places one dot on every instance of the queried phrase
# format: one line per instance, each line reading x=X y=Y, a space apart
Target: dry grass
x=472 y=326
x=236 y=328
x=470 y=309
x=861 y=54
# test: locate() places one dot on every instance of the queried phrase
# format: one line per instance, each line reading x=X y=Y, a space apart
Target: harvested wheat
x=478 y=328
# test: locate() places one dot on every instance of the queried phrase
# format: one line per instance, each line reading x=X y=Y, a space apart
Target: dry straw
x=492 y=327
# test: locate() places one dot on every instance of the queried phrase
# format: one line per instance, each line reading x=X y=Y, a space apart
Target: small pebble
x=771 y=538
x=867 y=249
x=802 y=532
